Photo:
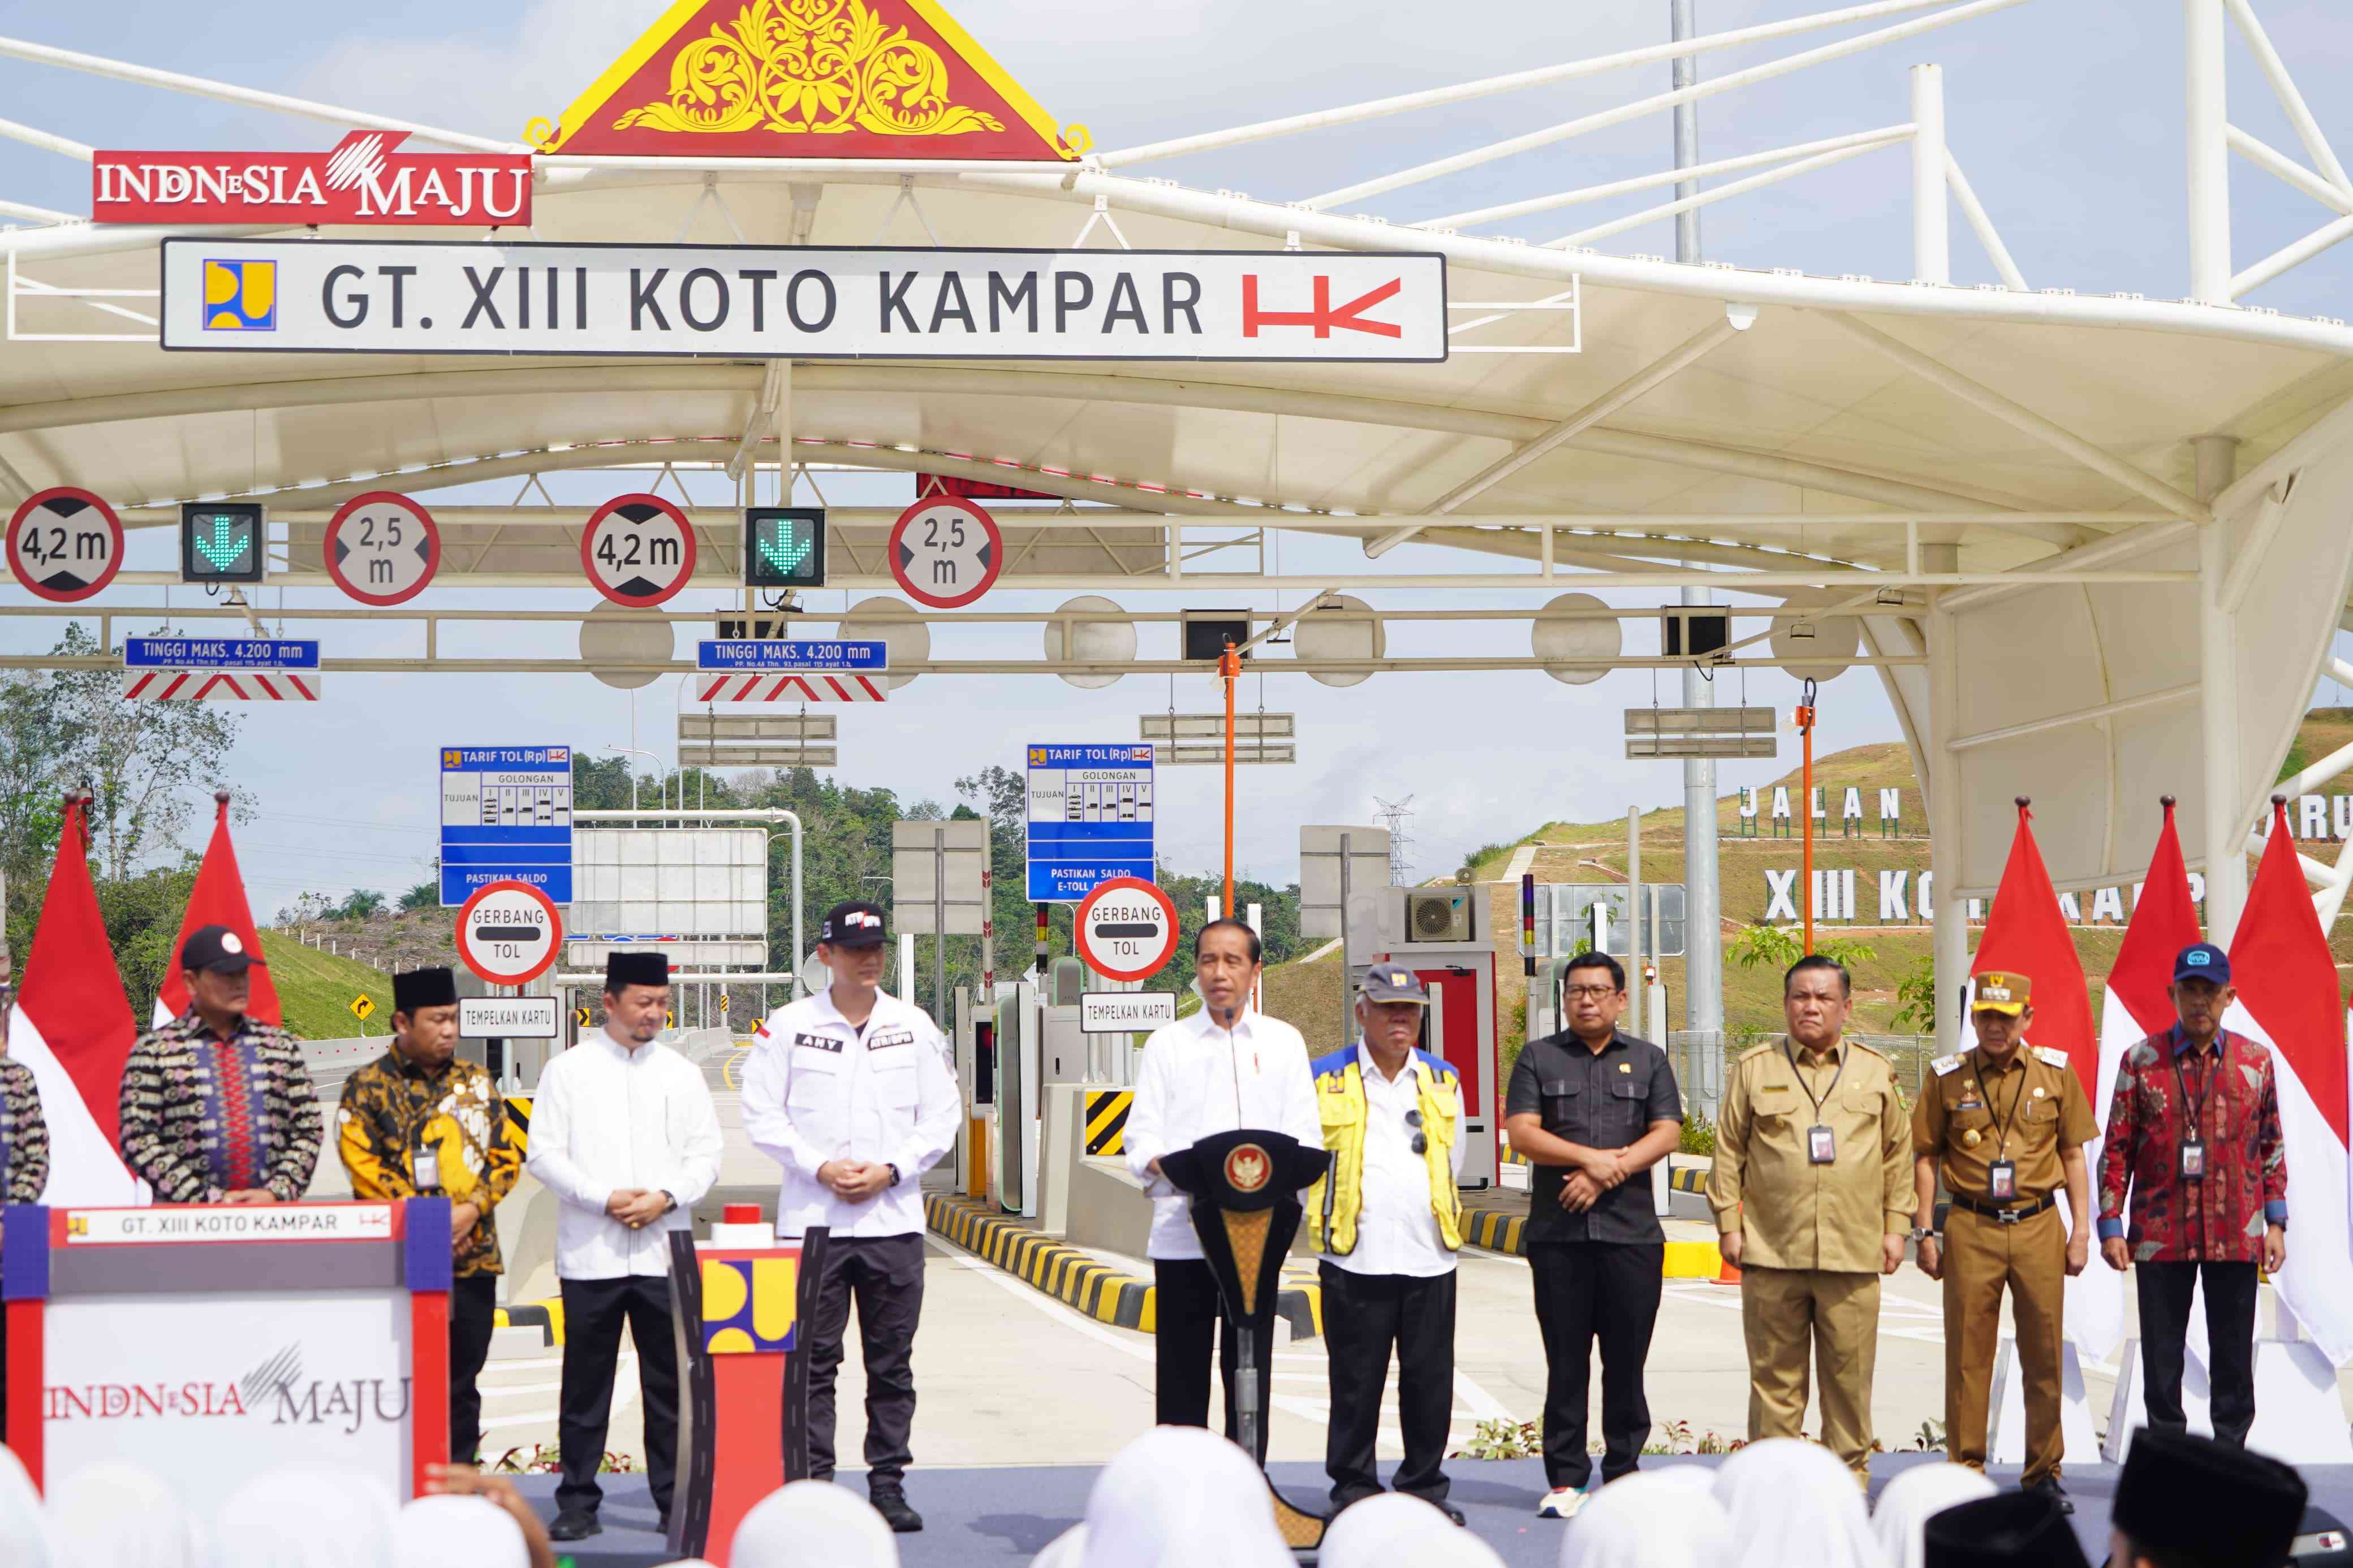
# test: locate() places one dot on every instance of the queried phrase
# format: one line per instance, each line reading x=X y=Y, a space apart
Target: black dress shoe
x=892 y=1504
x=2049 y=1487
x=1341 y=1500
x=574 y=1524
x=1450 y=1510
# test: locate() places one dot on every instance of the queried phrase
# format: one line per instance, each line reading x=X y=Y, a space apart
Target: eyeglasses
x=1420 y=1139
x=1590 y=993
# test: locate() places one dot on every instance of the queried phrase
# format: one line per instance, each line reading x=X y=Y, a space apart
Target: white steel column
x=1636 y=992
x=1686 y=73
x=2210 y=156
x=1950 y=911
x=2226 y=861
x=1932 y=222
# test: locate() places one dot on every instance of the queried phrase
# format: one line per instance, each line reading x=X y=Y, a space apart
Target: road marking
x=727 y=1069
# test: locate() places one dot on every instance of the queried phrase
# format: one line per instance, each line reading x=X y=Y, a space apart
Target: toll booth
x=1014 y=1125
x=1446 y=936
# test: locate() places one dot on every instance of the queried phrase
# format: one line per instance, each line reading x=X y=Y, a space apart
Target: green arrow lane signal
x=784 y=547
x=219 y=550
x=786 y=557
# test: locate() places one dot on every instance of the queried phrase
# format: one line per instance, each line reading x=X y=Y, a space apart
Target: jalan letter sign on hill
x=508 y=933
x=1126 y=930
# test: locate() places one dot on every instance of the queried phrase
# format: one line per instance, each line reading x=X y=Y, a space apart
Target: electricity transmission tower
x=1394 y=816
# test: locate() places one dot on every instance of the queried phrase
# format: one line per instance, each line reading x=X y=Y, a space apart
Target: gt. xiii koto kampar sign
x=751 y=302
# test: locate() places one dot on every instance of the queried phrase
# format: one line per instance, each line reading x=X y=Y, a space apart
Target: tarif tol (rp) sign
x=360 y=180
x=755 y=301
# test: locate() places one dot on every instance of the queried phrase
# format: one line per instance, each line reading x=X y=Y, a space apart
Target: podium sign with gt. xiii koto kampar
x=1090 y=819
x=506 y=816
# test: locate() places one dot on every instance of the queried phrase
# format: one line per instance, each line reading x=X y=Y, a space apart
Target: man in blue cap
x=2194 y=1135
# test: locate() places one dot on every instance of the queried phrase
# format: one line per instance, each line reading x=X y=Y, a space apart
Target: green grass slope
x=316 y=990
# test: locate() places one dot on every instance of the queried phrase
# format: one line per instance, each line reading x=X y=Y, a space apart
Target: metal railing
x=1700 y=1058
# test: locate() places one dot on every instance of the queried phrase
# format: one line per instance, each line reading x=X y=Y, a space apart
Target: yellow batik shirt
x=391 y=1106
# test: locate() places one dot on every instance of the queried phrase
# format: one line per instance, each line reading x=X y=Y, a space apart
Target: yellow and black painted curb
x=519 y=1122
x=1107 y=1112
x=1501 y=1230
x=546 y=1316
x=1688 y=1178
x=1082 y=1280
x=1495 y=1230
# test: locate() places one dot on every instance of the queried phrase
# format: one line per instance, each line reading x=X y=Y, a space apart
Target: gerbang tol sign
x=360 y=180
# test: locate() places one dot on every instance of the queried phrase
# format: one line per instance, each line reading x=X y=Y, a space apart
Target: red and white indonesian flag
x=2288 y=1000
x=2164 y=922
x=73 y=1027
x=218 y=900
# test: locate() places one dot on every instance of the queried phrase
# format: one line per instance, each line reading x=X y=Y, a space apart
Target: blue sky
x=2067 y=119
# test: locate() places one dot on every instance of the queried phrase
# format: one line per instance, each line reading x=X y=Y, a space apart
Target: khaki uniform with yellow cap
x=2006 y=1133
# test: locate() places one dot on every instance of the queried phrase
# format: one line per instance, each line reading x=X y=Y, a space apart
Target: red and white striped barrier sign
x=220 y=686
x=772 y=687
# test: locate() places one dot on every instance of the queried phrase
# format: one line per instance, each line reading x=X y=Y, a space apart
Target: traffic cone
x=1725 y=1274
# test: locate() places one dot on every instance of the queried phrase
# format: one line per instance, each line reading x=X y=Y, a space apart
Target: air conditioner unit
x=1437 y=917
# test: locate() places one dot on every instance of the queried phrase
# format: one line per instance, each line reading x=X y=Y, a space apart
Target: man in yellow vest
x=1387 y=1222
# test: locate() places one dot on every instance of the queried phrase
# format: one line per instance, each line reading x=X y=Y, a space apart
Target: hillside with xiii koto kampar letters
x=1886 y=866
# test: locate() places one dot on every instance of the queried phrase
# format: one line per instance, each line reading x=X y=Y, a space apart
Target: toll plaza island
x=1207 y=1179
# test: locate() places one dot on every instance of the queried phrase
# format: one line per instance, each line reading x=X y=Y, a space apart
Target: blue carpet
x=1005 y=1516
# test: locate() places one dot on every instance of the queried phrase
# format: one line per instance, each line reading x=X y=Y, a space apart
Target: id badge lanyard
x=2193 y=1141
x=1821 y=1145
x=2001 y=1175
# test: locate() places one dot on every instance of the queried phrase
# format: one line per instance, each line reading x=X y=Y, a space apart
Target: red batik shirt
x=2228 y=1092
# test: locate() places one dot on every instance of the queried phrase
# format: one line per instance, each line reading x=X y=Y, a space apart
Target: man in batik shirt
x=418 y=1123
x=24 y=1154
x=217 y=1107
x=2194 y=1133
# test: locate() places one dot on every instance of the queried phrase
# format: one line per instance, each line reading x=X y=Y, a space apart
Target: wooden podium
x=210 y=1343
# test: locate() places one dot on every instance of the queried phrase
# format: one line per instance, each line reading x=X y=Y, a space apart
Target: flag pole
x=1806 y=809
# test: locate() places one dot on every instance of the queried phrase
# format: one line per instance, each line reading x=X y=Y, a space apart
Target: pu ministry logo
x=241 y=296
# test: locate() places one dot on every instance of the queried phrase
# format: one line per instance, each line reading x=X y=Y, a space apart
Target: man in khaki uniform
x=2007 y=1122
x=1812 y=1197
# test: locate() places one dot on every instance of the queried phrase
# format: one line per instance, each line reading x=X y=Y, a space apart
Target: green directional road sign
x=221 y=541
x=784 y=547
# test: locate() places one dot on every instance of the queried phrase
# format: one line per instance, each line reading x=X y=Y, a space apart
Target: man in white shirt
x=1223 y=1068
x=624 y=1134
x=1387 y=1222
x=849 y=1090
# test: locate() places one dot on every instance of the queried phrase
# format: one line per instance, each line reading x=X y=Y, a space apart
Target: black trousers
x=1366 y=1316
x=1588 y=1291
x=473 y=1315
x=885 y=1276
x=2165 y=1292
x=1186 y=1313
x=593 y=1312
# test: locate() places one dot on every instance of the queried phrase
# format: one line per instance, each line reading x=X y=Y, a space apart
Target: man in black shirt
x=1591 y=1109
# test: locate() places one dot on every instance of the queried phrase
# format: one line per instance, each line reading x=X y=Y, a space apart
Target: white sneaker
x=1562 y=1502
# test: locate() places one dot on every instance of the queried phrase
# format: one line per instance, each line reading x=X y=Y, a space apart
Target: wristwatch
x=1919 y=1235
x=894 y=1175
x=669 y=1201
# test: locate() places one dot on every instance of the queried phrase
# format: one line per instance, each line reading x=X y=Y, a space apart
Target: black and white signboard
x=1126 y=930
x=1125 y=1012
x=382 y=547
x=946 y=552
x=507 y=1017
x=508 y=933
x=64 y=544
x=637 y=549
x=807 y=302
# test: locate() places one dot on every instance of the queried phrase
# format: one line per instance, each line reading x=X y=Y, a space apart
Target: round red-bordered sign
x=1126 y=929
x=392 y=567
x=637 y=549
x=946 y=552
x=65 y=564
x=501 y=937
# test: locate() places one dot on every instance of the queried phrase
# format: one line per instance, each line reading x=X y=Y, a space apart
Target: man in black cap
x=2014 y=1530
x=849 y=1090
x=418 y=1123
x=2186 y=1501
x=624 y=1134
x=218 y=1108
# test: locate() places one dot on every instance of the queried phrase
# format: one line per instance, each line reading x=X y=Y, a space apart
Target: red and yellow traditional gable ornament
x=808 y=78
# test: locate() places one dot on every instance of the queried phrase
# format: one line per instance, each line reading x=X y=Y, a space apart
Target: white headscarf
x=116 y=1515
x=24 y=1541
x=814 y=1524
x=450 y=1532
x=1394 y=1531
x=1179 y=1497
x=1795 y=1505
x=1911 y=1498
x=1652 y=1518
x=1067 y=1549
x=306 y=1518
